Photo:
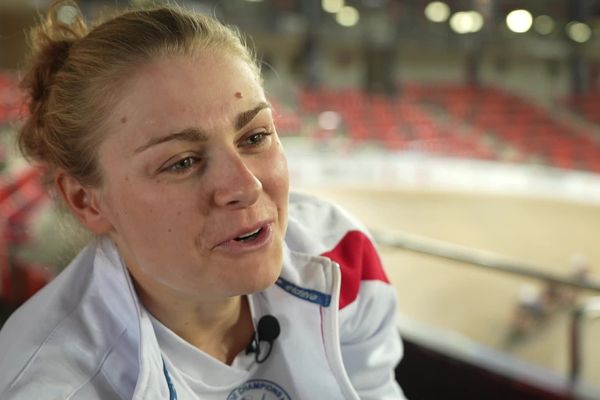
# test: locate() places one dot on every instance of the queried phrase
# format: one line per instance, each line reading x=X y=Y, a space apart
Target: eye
x=181 y=165
x=257 y=139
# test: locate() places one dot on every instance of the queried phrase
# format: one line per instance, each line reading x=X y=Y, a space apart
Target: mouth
x=249 y=240
x=249 y=236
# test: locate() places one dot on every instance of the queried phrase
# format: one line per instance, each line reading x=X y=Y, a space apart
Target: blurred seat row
x=462 y=121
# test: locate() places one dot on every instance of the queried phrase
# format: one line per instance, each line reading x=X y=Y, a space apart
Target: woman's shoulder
x=53 y=300
x=54 y=334
x=317 y=225
x=316 y=213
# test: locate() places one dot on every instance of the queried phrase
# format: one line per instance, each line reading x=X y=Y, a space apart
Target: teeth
x=248 y=235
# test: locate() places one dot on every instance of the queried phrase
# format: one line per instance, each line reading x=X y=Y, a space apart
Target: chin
x=265 y=279
x=265 y=276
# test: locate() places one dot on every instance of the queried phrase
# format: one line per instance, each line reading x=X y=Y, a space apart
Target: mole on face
x=123 y=120
x=238 y=95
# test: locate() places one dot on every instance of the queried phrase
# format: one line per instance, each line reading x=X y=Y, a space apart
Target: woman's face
x=195 y=179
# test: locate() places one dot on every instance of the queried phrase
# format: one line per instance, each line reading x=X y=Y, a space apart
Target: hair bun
x=49 y=60
x=51 y=42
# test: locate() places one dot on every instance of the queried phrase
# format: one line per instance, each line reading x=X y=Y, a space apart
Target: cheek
x=278 y=179
x=277 y=186
x=141 y=209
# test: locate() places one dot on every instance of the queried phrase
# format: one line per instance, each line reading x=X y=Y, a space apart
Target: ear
x=83 y=202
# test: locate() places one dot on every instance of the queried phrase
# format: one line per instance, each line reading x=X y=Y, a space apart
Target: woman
x=205 y=280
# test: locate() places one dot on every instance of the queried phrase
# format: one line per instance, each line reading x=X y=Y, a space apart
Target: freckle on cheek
x=238 y=95
x=169 y=230
x=123 y=120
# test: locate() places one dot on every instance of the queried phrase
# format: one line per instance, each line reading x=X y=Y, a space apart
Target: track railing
x=589 y=309
x=478 y=258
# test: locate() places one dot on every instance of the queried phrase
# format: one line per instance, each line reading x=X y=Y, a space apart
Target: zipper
x=331 y=338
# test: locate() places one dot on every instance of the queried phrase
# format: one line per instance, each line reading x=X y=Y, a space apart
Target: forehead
x=203 y=89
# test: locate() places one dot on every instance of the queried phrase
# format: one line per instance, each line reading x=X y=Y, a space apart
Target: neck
x=220 y=328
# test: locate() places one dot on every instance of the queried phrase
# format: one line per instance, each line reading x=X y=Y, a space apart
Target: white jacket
x=86 y=336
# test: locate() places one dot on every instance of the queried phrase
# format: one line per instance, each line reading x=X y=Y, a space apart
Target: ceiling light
x=519 y=21
x=437 y=11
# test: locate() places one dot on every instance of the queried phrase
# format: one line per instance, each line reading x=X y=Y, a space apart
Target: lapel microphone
x=267 y=331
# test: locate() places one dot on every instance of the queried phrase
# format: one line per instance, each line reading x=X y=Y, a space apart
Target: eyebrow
x=196 y=135
x=186 y=135
x=245 y=117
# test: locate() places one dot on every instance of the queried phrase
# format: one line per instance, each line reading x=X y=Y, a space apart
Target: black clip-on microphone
x=266 y=331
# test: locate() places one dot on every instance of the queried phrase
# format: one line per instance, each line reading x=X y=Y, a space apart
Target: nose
x=236 y=185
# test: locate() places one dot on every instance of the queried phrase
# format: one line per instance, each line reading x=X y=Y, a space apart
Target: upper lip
x=245 y=230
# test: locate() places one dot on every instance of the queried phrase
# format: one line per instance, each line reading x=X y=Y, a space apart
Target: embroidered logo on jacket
x=313 y=296
x=258 y=389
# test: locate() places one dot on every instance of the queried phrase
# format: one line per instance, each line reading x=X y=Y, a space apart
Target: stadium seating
x=587 y=105
x=397 y=123
x=20 y=195
x=527 y=128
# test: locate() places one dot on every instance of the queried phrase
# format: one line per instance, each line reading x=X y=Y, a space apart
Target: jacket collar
x=143 y=377
x=310 y=278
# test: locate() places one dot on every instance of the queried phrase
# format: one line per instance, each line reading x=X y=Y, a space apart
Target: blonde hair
x=75 y=72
